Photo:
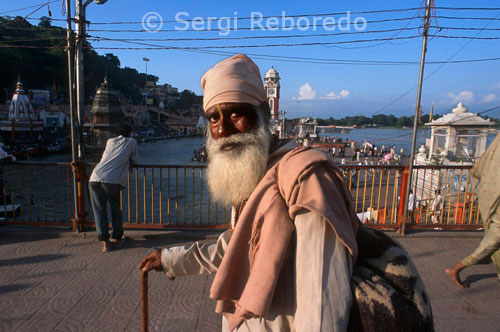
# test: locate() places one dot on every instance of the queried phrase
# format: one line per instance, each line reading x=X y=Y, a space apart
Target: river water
x=180 y=151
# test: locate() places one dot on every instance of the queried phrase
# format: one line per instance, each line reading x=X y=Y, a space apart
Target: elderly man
x=485 y=170
x=287 y=261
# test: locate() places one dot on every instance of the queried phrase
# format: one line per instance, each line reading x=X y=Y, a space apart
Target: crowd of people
x=371 y=153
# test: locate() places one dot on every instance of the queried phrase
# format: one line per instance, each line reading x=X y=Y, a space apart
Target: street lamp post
x=72 y=105
x=146 y=60
x=79 y=172
x=80 y=21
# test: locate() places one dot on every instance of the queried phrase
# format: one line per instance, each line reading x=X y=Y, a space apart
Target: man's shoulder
x=300 y=162
x=303 y=158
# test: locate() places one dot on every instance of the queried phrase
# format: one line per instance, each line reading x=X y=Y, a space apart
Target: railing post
x=402 y=201
x=80 y=169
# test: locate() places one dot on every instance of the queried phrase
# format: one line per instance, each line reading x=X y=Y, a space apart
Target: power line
x=291 y=16
x=461 y=18
x=152 y=46
x=232 y=19
x=465 y=28
x=233 y=29
x=259 y=17
x=468 y=8
x=341 y=61
x=29 y=7
x=256 y=37
x=438 y=68
x=246 y=28
x=162 y=47
x=323 y=60
x=236 y=18
x=467 y=37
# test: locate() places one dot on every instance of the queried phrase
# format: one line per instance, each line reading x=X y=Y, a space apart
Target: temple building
x=22 y=126
x=106 y=115
x=457 y=137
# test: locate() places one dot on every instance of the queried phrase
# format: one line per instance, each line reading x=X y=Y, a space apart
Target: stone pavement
x=62 y=282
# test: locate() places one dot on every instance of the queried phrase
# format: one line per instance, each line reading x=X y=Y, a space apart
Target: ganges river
x=180 y=151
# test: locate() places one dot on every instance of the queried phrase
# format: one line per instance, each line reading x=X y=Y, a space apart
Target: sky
x=309 y=86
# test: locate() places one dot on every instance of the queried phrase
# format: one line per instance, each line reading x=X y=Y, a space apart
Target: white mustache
x=237 y=141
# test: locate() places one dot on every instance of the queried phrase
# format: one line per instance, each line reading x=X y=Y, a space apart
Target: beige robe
x=319 y=277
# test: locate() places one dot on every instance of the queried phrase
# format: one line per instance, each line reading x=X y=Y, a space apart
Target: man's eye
x=213 y=118
x=236 y=115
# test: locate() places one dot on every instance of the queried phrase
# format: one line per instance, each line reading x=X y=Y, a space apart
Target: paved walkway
x=66 y=283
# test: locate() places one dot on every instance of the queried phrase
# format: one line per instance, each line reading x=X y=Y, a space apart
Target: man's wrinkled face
x=237 y=144
x=231 y=118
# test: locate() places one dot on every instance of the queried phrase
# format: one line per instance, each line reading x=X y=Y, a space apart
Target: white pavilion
x=458 y=137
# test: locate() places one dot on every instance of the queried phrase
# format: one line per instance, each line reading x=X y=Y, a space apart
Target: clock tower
x=272 y=86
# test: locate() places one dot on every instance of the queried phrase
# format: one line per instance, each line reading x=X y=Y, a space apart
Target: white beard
x=233 y=175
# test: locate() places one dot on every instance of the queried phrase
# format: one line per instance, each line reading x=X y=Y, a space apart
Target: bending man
x=287 y=260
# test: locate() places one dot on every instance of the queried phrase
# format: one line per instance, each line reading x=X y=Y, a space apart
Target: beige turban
x=234 y=80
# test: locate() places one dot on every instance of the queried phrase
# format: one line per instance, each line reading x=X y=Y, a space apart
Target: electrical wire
x=152 y=46
x=256 y=37
x=291 y=16
x=29 y=7
x=259 y=17
x=467 y=37
x=468 y=8
x=437 y=69
x=162 y=47
x=244 y=28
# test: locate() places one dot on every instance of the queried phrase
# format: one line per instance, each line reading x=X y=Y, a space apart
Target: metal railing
x=35 y=193
x=458 y=189
x=176 y=196
x=171 y=196
x=375 y=192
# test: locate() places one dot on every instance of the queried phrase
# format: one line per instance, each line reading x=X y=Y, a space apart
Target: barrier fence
x=176 y=196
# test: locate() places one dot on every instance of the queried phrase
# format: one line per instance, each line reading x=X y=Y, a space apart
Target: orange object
x=458 y=212
x=381 y=216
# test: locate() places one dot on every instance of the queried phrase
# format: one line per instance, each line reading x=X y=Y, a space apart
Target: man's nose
x=226 y=127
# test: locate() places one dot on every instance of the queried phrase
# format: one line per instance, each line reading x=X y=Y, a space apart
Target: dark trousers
x=101 y=193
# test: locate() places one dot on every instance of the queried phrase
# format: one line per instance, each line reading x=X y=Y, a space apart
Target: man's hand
x=151 y=262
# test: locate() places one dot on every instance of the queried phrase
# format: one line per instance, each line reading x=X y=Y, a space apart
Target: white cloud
x=497 y=86
x=306 y=92
x=490 y=97
x=333 y=96
x=465 y=96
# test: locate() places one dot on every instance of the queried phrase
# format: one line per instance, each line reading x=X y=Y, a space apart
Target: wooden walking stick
x=144 y=296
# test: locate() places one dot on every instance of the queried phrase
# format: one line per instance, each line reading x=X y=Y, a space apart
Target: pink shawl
x=303 y=179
